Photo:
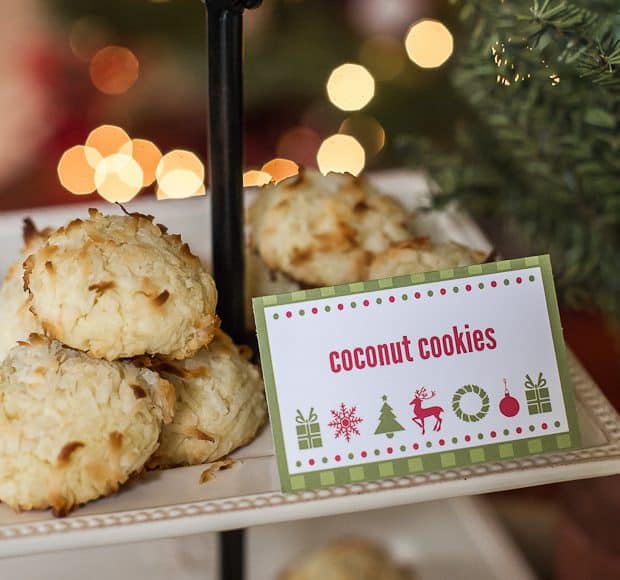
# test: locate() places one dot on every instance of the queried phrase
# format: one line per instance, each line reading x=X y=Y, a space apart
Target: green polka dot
x=506 y=432
x=298 y=463
x=350 y=456
x=377 y=452
x=506 y=282
x=532 y=427
x=324 y=460
x=327 y=308
x=480 y=436
x=455 y=440
x=378 y=301
x=429 y=293
x=481 y=286
x=353 y=305
x=276 y=316
x=531 y=278
x=403 y=448
x=455 y=289
x=302 y=312
x=429 y=444
x=405 y=297
x=556 y=424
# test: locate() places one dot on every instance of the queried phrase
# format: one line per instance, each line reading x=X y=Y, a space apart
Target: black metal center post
x=225 y=45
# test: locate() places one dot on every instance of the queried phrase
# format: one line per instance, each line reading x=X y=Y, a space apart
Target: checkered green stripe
x=400 y=281
x=426 y=463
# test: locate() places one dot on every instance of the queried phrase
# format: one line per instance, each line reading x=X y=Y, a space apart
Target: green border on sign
x=432 y=461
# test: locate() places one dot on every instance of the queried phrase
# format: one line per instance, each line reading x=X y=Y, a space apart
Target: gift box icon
x=537 y=395
x=308 y=430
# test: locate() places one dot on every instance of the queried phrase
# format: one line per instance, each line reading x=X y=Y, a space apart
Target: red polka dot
x=366 y=302
x=390 y=450
x=340 y=306
x=289 y=314
x=519 y=430
x=519 y=280
x=417 y=295
x=416 y=446
x=468 y=287
x=467 y=438
x=442 y=442
x=392 y=299
x=311 y=461
x=493 y=434
x=337 y=458
x=443 y=291
x=315 y=310
x=494 y=284
x=363 y=454
x=544 y=425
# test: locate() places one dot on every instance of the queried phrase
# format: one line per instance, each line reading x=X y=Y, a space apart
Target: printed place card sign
x=415 y=373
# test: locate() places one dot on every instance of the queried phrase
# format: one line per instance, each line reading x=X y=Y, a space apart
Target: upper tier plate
x=173 y=503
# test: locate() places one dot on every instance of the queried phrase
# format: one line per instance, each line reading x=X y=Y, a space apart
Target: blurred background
x=510 y=108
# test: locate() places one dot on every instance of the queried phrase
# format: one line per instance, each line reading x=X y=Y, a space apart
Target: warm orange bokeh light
x=429 y=43
x=350 y=87
x=118 y=178
x=114 y=70
x=108 y=140
x=76 y=169
x=180 y=159
x=179 y=184
x=341 y=154
x=148 y=156
x=254 y=178
x=367 y=130
x=280 y=169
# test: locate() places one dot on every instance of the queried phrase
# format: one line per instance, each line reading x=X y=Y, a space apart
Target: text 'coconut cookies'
x=74 y=428
x=120 y=286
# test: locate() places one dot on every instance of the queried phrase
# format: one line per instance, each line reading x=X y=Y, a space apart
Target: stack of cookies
x=113 y=361
x=313 y=230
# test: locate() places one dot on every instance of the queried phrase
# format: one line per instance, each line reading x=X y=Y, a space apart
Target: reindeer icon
x=420 y=413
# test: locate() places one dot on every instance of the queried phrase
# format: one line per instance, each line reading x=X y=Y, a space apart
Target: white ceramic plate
x=172 y=503
x=458 y=539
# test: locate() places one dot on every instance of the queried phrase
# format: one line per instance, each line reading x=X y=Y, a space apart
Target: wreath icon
x=484 y=403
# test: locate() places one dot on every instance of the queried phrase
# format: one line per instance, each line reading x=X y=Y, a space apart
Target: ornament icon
x=508 y=406
x=388 y=424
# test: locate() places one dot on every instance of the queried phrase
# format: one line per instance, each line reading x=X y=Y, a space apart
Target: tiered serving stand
x=172 y=503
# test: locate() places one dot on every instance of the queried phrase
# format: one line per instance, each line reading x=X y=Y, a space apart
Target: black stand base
x=231 y=552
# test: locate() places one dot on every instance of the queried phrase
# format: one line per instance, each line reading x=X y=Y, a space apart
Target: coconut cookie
x=74 y=428
x=324 y=230
x=16 y=320
x=120 y=286
x=220 y=405
x=421 y=255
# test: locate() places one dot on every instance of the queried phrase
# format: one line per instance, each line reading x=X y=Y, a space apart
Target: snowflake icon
x=345 y=422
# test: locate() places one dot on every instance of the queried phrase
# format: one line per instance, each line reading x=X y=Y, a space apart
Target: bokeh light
x=341 y=154
x=114 y=70
x=86 y=37
x=350 y=87
x=148 y=156
x=429 y=43
x=254 y=178
x=300 y=144
x=76 y=169
x=118 y=178
x=366 y=130
x=180 y=159
x=383 y=56
x=280 y=169
x=180 y=184
x=108 y=140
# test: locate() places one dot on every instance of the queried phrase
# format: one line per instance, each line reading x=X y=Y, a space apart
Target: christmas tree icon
x=388 y=424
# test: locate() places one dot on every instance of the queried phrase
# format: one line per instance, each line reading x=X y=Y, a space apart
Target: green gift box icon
x=537 y=395
x=308 y=430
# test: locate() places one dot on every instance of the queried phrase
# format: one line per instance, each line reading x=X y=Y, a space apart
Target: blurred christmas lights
x=118 y=178
x=366 y=130
x=76 y=169
x=280 y=169
x=114 y=70
x=350 y=87
x=383 y=56
x=255 y=178
x=148 y=156
x=429 y=43
x=109 y=139
x=341 y=154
